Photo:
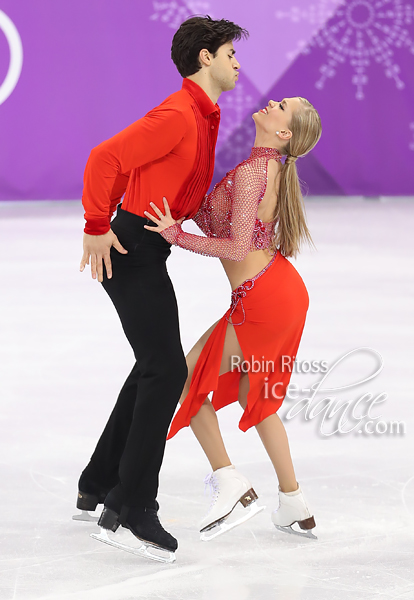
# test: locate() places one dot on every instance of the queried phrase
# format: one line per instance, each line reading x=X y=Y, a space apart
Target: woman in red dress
x=253 y=219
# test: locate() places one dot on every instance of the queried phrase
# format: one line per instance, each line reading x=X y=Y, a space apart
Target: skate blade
x=304 y=533
x=84 y=515
x=224 y=526
x=165 y=556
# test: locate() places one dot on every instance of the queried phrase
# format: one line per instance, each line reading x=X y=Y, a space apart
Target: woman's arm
x=202 y=218
x=249 y=182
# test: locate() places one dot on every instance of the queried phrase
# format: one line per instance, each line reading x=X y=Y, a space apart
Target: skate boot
x=90 y=495
x=293 y=509
x=143 y=535
x=229 y=488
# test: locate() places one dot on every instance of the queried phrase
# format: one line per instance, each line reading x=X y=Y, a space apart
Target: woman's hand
x=163 y=221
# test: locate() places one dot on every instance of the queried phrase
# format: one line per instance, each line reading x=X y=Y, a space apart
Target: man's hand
x=97 y=247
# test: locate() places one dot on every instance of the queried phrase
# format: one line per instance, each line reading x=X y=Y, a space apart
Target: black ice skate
x=90 y=494
x=148 y=537
x=87 y=503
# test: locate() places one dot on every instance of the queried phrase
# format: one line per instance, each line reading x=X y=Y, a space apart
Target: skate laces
x=154 y=519
x=211 y=484
x=153 y=515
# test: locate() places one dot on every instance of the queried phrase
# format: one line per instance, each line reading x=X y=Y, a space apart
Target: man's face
x=224 y=68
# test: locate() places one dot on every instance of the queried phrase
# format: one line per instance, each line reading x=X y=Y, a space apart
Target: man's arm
x=145 y=141
x=106 y=177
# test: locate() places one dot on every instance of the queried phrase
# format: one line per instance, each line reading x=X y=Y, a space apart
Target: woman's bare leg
x=206 y=429
x=274 y=438
x=205 y=424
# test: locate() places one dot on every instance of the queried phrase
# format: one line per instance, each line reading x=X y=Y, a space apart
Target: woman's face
x=276 y=116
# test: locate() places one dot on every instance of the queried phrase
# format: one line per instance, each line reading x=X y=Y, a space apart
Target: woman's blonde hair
x=291 y=229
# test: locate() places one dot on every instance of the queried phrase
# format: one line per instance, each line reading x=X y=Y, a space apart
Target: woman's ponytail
x=291 y=229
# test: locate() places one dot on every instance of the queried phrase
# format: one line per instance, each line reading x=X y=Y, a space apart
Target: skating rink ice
x=64 y=358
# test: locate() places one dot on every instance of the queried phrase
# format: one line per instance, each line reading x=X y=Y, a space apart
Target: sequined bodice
x=262 y=234
x=228 y=215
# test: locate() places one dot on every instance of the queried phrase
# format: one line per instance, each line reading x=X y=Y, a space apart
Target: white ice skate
x=135 y=545
x=292 y=510
x=229 y=487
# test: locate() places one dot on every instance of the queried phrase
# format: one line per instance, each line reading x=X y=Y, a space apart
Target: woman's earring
x=277 y=132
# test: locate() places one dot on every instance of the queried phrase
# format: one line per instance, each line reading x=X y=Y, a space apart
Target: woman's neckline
x=259 y=151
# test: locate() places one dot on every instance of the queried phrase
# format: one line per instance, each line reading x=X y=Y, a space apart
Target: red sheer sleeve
x=202 y=217
x=240 y=193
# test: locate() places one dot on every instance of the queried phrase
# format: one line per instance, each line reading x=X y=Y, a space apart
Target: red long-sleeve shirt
x=169 y=152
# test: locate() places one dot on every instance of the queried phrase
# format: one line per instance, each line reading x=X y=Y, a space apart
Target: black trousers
x=130 y=450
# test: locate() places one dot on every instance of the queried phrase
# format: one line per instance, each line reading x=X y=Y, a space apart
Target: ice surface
x=64 y=357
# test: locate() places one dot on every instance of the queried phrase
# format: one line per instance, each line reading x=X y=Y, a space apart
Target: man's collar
x=204 y=103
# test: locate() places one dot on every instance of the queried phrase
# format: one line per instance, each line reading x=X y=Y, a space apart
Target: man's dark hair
x=198 y=33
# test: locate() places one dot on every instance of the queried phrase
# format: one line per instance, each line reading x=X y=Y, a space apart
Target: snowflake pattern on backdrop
x=237 y=145
x=233 y=108
x=315 y=14
x=173 y=13
x=359 y=32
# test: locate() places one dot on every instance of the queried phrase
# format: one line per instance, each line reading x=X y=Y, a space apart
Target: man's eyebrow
x=233 y=51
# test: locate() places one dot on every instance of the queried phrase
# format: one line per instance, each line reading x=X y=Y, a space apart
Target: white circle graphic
x=16 y=56
x=367 y=19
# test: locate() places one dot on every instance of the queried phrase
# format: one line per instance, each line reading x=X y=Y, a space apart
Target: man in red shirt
x=169 y=152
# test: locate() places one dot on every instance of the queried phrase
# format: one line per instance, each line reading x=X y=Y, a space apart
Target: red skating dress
x=267 y=311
